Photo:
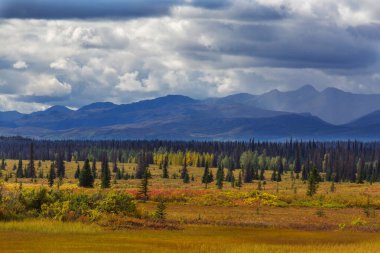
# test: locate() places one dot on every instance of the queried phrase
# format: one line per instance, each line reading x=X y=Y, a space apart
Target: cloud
x=129 y=82
x=20 y=65
x=195 y=48
x=86 y=9
x=45 y=85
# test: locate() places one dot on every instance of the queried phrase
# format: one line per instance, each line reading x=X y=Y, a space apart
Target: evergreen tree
x=278 y=179
x=239 y=182
x=220 y=176
x=143 y=191
x=233 y=180
x=206 y=178
x=185 y=173
x=77 y=172
x=85 y=177
x=19 y=171
x=93 y=169
x=304 y=173
x=160 y=213
x=60 y=164
x=259 y=187
x=297 y=163
x=229 y=175
x=115 y=168
x=105 y=174
x=31 y=171
x=141 y=165
x=40 y=173
x=119 y=174
x=313 y=182
x=274 y=175
x=52 y=174
x=280 y=166
x=3 y=164
x=165 y=173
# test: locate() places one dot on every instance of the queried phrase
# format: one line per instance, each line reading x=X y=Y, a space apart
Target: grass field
x=48 y=236
x=279 y=218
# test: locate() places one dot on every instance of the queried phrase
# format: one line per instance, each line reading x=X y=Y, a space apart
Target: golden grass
x=191 y=239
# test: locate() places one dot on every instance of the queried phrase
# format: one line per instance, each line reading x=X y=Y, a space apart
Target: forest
x=351 y=161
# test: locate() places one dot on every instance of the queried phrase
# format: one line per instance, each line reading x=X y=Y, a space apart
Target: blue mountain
x=239 y=116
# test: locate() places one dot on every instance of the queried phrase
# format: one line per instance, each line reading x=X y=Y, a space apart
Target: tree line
x=337 y=161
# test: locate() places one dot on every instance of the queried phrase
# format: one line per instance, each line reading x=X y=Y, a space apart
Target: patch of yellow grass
x=191 y=239
x=48 y=226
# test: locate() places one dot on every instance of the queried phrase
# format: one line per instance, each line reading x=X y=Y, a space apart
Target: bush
x=118 y=203
x=57 y=210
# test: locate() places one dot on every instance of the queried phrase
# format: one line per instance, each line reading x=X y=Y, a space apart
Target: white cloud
x=45 y=85
x=11 y=103
x=128 y=82
x=20 y=65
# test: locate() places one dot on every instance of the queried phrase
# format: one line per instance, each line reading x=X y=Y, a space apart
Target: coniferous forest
x=340 y=161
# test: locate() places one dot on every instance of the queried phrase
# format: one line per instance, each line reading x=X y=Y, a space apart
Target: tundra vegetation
x=189 y=196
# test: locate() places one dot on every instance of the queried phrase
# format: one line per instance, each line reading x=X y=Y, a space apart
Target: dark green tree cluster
x=86 y=178
x=105 y=173
x=207 y=176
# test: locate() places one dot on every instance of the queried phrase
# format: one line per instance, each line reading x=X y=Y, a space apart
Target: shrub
x=118 y=203
x=358 y=222
x=57 y=210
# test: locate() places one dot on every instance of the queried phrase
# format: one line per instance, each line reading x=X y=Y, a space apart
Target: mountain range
x=304 y=113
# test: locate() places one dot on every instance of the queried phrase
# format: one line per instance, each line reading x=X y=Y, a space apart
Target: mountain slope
x=331 y=105
x=179 y=117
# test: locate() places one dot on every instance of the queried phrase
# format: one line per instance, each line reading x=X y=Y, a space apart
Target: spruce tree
x=239 y=182
x=259 y=187
x=165 y=173
x=143 y=191
x=31 y=171
x=114 y=168
x=3 y=164
x=274 y=175
x=313 y=182
x=206 y=178
x=232 y=180
x=19 y=171
x=85 y=177
x=141 y=165
x=278 y=179
x=60 y=164
x=229 y=175
x=219 y=176
x=185 y=173
x=160 y=213
x=77 y=172
x=297 y=163
x=93 y=169
x=105 y=174
x=52 y=174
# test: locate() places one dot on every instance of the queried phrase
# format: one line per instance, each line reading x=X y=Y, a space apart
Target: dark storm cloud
x=85 y=9
x=300 y=45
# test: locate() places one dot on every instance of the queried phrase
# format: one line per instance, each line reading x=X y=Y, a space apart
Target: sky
x=76 y=52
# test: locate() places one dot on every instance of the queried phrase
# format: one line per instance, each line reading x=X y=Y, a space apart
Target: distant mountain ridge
x=303 y=113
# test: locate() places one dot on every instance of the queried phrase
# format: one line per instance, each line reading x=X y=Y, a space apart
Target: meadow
x=278 y=217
